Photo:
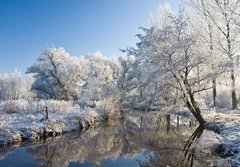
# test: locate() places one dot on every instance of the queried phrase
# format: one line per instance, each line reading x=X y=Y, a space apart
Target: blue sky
x=80 y=26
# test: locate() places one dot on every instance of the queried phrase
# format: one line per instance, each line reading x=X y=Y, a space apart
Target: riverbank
x=16 y=127
x=226 y=123
x=21 y=120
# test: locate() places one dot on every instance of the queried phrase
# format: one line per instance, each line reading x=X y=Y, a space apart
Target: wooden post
x=46 y=117
x=178 y=122
x=168 y=119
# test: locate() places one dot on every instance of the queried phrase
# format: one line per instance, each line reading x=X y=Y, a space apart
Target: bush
x=56 y=105
x=109 y=109
x=12 y=106
x=223 y=99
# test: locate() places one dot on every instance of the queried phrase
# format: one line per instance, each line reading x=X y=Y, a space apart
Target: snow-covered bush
x=12 y=106
x=109 y=109
x=56 y=105
x=34 y=106
x=223 y=99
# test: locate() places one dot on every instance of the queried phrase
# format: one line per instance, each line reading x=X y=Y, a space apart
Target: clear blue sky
x=80 y=26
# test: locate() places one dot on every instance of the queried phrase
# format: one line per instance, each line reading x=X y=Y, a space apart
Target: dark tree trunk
x=193 y=107
x=168 y=119
x=141 y=94
x=214 y=92
x=234 y=98
x=196 y=114
x=46 y=116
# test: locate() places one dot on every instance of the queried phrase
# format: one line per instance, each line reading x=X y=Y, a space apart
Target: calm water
x=148 y=140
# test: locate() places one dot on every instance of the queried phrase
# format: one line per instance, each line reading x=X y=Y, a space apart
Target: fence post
x=46 y=117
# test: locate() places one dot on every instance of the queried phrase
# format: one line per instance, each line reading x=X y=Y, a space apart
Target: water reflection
x=148 y=140
x=188 y=154
x=175 y=150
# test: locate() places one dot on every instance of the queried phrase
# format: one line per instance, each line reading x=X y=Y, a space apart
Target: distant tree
x=58 y=75
x=12 y=86
x=127 y=81
x=135 y=81
x=15 y=84
x=27 y=92
x=3 y=86
x=102 y=76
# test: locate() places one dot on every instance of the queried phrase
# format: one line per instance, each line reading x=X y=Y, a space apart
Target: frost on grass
x=227 y=123
x=22 y=120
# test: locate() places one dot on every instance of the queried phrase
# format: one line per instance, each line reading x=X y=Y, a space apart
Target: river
x=138 y=140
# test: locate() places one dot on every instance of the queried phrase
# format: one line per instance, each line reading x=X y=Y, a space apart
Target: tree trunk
x=141 y=94
x=234 y=98
x=197 y=115
x=193 y=107
x=214 y=92
x=168 y=120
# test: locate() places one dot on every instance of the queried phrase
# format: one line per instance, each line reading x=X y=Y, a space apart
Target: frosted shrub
x=204 y=99
x=56 y=105
x=109 y=109
x=35 y=106
x=12 y=106
x=223 y=97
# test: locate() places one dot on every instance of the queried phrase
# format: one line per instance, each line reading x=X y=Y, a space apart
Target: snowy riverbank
x=21 y=120
x=227 y=124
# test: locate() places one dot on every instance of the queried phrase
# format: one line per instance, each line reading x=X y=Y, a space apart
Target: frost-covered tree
x=15 y=84
x=102 y=76
x=12 y=87
x=27 y=92
x=172 y=49
x=224 y=16
x=3 y=86
x=126 y=81
x=208 y=36
x=58 y=75
x=136 y=82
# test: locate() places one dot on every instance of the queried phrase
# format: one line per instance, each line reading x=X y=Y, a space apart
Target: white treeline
x=85 y=80
x=189 y=59
x=16 y=86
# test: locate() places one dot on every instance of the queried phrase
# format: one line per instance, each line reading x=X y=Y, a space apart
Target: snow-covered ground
x=227 y=124
x=23 y=120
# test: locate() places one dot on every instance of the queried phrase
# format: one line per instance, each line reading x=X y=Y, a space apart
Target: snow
x=26 y=120
x=227 y=123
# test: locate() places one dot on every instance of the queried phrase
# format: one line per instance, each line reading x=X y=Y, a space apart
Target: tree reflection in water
x=164 y=140
x=175 y=150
